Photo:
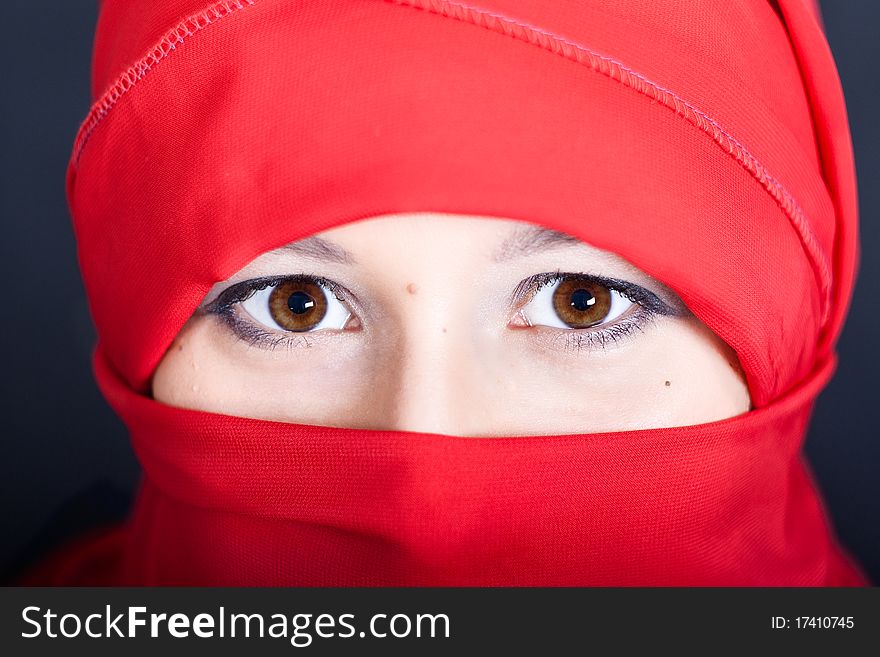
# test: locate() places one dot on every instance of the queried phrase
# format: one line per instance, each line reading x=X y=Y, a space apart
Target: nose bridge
x=437 y=374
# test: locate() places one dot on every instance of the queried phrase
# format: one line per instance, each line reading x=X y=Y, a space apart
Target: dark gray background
x=66 y=464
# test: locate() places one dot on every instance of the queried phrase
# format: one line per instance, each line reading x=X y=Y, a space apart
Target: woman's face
x=450 y=324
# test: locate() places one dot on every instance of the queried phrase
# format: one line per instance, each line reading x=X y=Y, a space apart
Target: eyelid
x=650 y=305
x=242 y=291
x=635 y=293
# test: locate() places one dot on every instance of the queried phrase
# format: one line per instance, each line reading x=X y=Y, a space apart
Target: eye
x=297 y=304
x=574 y=302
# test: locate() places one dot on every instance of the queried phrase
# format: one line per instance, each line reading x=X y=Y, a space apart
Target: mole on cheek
x=668 y=383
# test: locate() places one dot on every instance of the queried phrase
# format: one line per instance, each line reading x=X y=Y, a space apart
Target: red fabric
x=707 y=143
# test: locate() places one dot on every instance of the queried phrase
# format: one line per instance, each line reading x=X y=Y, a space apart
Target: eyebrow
x=316 y=248
x=531 y=238
x=521 y=242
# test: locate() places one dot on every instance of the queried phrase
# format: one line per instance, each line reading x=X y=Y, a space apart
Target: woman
x=418 y=292
x=448 y=324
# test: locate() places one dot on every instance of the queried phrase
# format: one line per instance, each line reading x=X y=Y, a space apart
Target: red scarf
x=707 y=144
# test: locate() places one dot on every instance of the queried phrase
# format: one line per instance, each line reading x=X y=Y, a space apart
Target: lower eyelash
x=575 y=339
x=224 y=308
x=578 y=339
x=649 y=306
x=256 y=337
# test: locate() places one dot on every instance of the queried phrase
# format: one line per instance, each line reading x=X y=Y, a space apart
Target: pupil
x=300 y=302
x=582 y=299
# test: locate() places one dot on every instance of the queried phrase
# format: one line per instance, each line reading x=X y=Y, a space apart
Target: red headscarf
x=707 y=143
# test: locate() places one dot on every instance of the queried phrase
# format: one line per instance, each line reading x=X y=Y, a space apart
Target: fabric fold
x=706 y=143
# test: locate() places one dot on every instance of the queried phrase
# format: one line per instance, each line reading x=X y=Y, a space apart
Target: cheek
x=680 y=374
x=208 y=368
x=188 y=375
x=675 y=373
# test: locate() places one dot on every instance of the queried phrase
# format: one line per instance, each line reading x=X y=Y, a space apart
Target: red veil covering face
x=707 y=143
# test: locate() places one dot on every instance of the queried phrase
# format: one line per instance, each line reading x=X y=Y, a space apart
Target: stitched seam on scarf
x=616 y=70
x=136 y=72
x=528 y=33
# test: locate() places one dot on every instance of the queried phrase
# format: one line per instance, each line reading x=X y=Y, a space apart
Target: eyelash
x=224 y=307
x=648 y=306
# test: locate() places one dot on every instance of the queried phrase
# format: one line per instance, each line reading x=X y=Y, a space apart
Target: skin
x=435 y=345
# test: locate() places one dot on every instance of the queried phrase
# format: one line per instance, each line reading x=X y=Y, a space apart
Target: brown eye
x=581 y=303
x=574 y=302
x=297 y=304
